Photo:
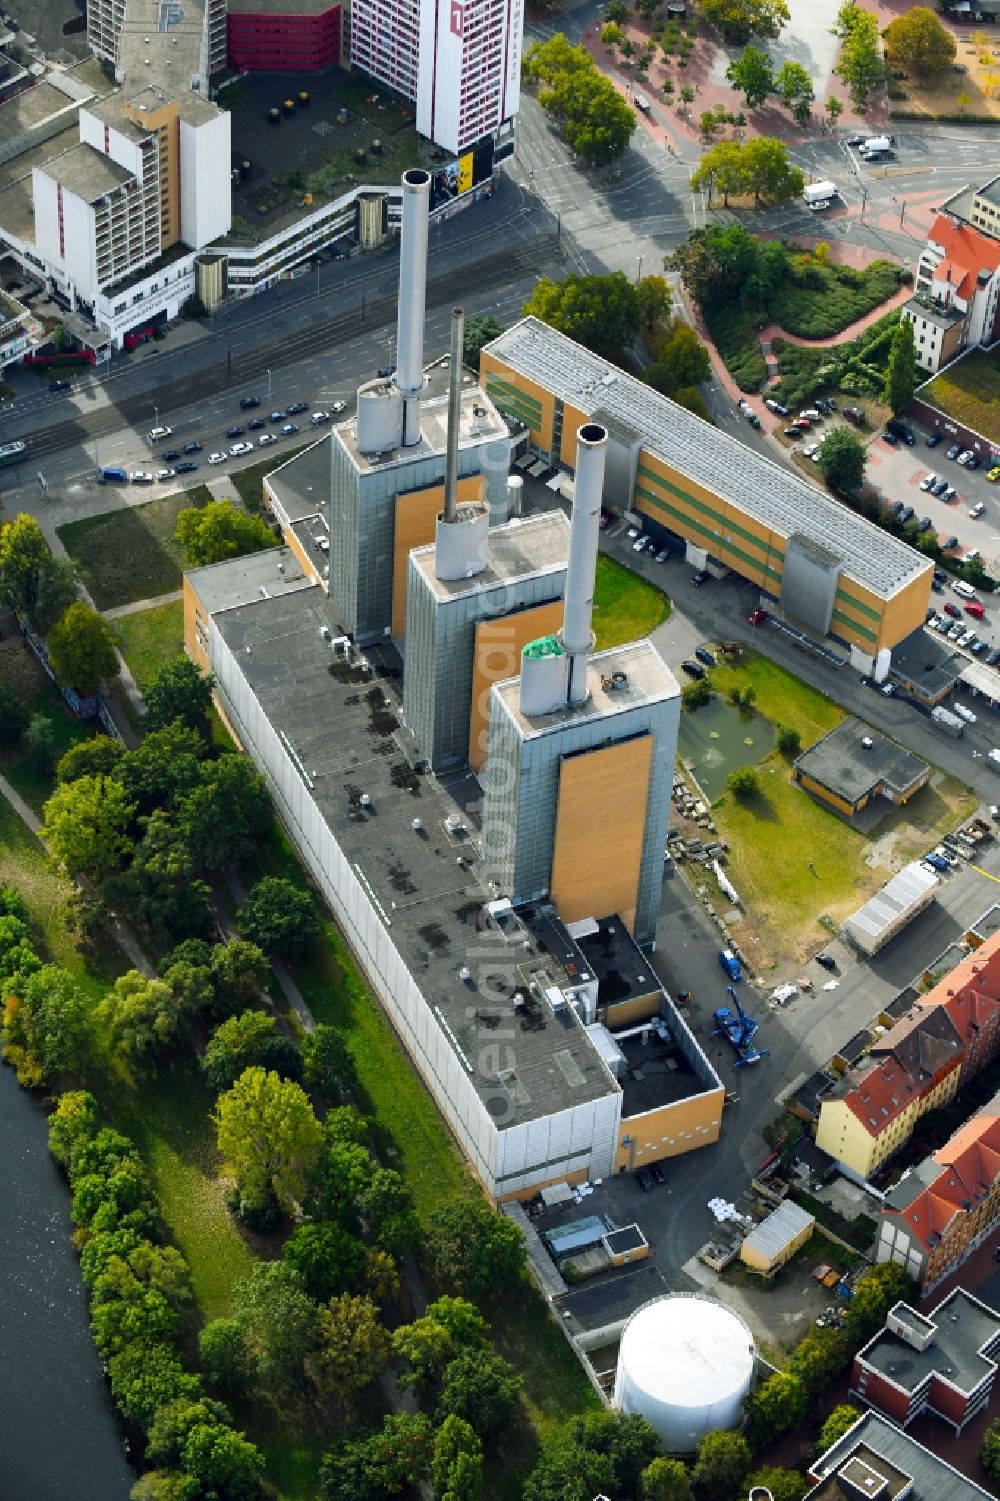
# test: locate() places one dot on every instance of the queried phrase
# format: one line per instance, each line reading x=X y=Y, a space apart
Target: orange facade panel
x=600 y=825
x=195 y=628
x=497 y=656
x=416 y=519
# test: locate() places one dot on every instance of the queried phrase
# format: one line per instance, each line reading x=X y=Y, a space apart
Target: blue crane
x=739 y=1029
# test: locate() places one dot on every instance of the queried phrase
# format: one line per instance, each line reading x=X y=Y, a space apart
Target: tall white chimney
x=454 y=413
x=409 y=376
x=461 y=538
x=576 y=636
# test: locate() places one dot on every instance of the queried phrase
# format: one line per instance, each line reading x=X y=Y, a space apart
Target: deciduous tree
x=239 y=972
x=874 y=1294
x=917 y=43
x=225 y=1359
x=480 y=329
x=381 y=1465
x=219 y=530
x=85 y=825
x=81 y=648
x=265 y=1127
x=329 y=1259
x=860 y=65
x=13 y=718
x=160 y=886
x=666 y=1480
x=842 y=460
x=280 y=1323
x=139 y=1015
x=794 y=83
x=743 y=783
x=722 y=1465
x=163 y=767
x=237 y=1044
x=474 y=1248
x=327 y=1061
x=600 y=312
x=842 y=1417
x=179 y=690
x=37 y=584
x=655 y=298
x=752 y=75
x=784 y=1485
x=739 y=20
x=457 y=1463
x=45 y=1026
x=779 y=1403
x=352 y=1346
x=96 y=756
x=682 y=361
x=278 y=917
x=482 y=1388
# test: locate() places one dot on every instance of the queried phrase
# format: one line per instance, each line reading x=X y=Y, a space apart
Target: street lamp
x=639 y=276
x=269 y=388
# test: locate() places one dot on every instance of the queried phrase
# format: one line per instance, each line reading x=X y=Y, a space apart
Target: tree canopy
x=473 y=1247
x=682 y=361
x=81 y=649
x=37 y=584
x=45 y=1025
x=85 y=825
x=842 y=459
x=266 y=1127
x=179 y=690
x=595 y=120
x=480 y=330
x=600 y=312
x=722 y=1465
x=917 y=43
x=219 y=530
x=842 y=1417
x=278 y=917
x=901 y=368
x=140 y=1014
x=752 y=75
x=860 y=65
x=739 y=20
x=759 y=168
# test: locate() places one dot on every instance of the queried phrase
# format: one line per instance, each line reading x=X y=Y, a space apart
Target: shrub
x=743 y=783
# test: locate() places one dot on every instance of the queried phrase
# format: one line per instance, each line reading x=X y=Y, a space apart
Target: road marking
x=981 y=872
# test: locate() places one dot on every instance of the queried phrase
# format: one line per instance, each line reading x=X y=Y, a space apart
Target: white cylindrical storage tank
x=461 y=546
x=685 y=1363
x=544 y=665
x=515 y=496
x=380 y=417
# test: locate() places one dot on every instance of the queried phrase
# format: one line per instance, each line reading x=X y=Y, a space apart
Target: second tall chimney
x=409 y=377
x=576 y=636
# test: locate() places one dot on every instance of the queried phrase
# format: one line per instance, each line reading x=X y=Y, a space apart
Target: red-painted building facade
x=283 y=36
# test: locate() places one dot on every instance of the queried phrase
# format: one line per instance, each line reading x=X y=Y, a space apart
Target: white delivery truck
x=819 y=195
x=876 y=146
x=994 y=758
x=947 y=721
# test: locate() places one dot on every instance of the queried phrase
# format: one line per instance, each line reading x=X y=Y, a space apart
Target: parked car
x=170 y=455
x=826 y=960
x=939 y=489
x=957 y=630
x=644 y=1180
x=277 y=415
x=692 y=669
x=972 y=463
x=975 y=609
x=318 y=418
x=924 y=524
x=59 y=385
x=948 y=544
x=977 y=509
x=162 y=474
x=952 y=610
x=811 y=414
x=731 y=965
x=793 y=432
x=217 y=458
x=948 y=494
x=978 y=647
x=954 y=451
x=994 y=474
x=935 y=862
x=704 y=655
x=994 y=657
x=266 y=439
x=890 y=438
x=662 y=556
x=141 y=477
x=239 y=449
x=757 y=617
x=186 y=467
x=294 y=407
x=656 y=1168
x=888 y=690
x=248 y=403
x=192 y=448
x=964 y=457
x=804 y=424
x=338 y=406
x=929 y=481
x=235 y=432
x=933 y=439
x=906 y=514
x=256 y=424
x=775 y=407
x=697 y=579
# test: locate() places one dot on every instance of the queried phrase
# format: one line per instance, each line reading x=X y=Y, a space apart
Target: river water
x=58 y=1437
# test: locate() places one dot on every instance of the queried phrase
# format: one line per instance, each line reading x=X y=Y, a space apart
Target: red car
x=758 y=617
x=953 y=611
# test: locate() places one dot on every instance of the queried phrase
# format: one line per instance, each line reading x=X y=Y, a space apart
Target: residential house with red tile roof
x=956 y=299
x=941 y=1210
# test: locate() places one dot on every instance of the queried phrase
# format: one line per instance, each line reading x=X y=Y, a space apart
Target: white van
x=963 y=590
x=875 y=144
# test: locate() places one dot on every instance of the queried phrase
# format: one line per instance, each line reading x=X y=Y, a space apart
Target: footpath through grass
x=130 y=554
x=626 y=607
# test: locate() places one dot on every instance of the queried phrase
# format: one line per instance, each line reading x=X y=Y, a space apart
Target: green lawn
x=626 y=607
x=22 y=673
x=777 y=837
x=148 y=638
x=781 y=698
x=970 y=392
x=23 y=864
x=130 y=554
x=167 y=1112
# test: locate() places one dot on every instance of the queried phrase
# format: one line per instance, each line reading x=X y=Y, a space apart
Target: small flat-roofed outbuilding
x=777 y=1238
x=853 y=764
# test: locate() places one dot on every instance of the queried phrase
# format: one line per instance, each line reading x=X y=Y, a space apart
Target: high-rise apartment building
x=122 y=32
x=458 y=60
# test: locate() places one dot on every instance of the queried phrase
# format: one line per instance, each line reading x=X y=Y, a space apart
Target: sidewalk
x=117 y=611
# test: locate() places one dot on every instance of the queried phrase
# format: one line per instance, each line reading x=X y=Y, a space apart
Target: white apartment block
x=459 y=61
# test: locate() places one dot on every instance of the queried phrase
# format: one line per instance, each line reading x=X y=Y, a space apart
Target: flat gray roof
x=344 y=724
x=280 y=7
x=759 y=486
x=87 y=172
x=853 y=759
x=173 y=50
x=648 y=679
x=479 y=419
x=933 y=312
x=962 y=1326
x=989 y=190
x=875 y=1437
x=110 y=112
x=301 y=485
x=258 y=575
x=518 y=549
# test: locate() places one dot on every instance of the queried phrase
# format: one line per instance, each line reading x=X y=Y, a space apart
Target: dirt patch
x=970 y=94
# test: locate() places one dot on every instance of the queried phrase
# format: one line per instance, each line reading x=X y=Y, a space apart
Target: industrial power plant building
x=503 y=936
x=824 y=568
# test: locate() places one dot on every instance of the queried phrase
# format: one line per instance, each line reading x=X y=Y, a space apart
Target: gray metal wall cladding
x=809 y=582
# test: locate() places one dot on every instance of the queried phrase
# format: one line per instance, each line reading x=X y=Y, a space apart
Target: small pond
x=715 y=739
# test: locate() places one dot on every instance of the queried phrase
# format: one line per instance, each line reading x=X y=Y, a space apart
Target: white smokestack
x=409 y=377
x=576 y=636
x=462 y=534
